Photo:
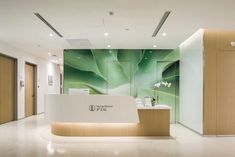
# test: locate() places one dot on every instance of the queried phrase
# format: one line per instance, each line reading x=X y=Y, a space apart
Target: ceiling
x=89 y=19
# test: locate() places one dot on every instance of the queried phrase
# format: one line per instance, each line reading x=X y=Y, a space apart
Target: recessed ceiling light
x=111 y=13
x=106 y=34
x=108 y=46
x=163 y=34
x=49 y=53
x=154 y=46
x=51 y=35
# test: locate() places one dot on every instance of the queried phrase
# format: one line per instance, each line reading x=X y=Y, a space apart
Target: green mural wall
x=138 y=73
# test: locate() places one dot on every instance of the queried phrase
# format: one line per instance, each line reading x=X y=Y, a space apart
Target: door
x=29 y=90
x=225 y=105
x=7 y=89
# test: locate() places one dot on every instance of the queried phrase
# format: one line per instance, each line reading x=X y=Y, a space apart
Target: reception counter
x=103 y=115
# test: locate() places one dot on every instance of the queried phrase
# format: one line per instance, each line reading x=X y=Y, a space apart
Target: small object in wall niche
x=50 y=80
x=139 y=102
x=162 y=83
x=153 y=101
x=147 y=101
x=21 y=83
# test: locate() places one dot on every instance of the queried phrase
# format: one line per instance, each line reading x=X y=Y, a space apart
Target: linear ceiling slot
x=48 y=24
x=160 y=24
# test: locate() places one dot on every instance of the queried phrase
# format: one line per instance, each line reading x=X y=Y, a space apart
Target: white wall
x=191 y=82
x=44 y=68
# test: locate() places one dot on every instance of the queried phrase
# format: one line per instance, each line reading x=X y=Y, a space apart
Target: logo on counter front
x=99 y=107
x=92 y=107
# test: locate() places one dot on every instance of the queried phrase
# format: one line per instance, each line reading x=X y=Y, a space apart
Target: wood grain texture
x=225 y=93
x=29 y=90
x=217 y=94
x=152 y=123
x=7 y=89
x=209 y=108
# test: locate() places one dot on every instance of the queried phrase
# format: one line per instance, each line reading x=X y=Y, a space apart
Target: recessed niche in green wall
x=134 y=72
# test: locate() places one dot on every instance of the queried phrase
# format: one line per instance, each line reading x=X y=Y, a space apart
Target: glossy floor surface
x=31 y=137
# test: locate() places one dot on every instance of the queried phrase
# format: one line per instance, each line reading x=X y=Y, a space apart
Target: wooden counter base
x=153 y=122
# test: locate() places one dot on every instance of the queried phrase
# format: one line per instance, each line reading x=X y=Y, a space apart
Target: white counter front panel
x=91 y=109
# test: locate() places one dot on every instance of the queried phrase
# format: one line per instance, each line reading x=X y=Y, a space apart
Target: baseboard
x=40 y=113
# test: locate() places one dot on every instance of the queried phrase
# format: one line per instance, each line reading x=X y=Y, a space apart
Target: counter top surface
x=156 y=107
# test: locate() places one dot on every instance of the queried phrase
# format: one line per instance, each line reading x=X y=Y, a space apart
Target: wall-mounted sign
x=21 y=83
x=232 y=43
x=50 y=80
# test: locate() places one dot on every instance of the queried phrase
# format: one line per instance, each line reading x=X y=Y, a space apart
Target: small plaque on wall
x=50 y=80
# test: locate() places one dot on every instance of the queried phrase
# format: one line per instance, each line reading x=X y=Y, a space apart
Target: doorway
x=8 y=82
x=30 y=89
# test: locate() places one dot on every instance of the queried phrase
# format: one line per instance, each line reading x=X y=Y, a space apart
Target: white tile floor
x=31 y=137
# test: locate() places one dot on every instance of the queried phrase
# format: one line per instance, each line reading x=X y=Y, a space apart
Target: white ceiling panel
x=89 y=19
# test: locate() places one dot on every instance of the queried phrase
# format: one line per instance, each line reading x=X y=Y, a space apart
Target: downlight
x=106 y=34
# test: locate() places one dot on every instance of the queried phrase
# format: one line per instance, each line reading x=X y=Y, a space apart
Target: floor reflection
x=31 y=137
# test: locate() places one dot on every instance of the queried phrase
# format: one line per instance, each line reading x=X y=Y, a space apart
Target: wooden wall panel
x=224 y=40
x=7 y=89
x=209 y=109
x=225 y=93
x=217 y=48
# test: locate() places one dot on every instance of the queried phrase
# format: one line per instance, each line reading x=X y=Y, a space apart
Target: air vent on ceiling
x=160 y=24
x=48 y=24
x=79 y=43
